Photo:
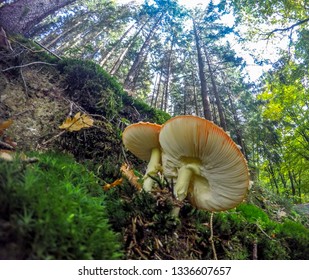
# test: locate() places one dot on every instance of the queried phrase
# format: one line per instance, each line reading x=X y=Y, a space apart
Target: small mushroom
x=142 y=139
x=204 y=161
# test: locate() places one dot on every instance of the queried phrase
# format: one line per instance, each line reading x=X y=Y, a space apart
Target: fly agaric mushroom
x=142 y=139
x=205 y=162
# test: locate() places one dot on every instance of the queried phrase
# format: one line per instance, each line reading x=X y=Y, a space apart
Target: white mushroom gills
x=204 y=161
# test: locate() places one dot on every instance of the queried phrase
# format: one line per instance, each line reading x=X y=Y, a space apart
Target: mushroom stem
x=152 y=169
x=184 y=176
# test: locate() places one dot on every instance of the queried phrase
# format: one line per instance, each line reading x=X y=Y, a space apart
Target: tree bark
x=201 y=66
x=128 y=83
x=116 y=44
x=158 y=90
x=239 y=136
x=120 y=59
x=215 y=91
x=194 y=94
x=22 y=15
x=168 y=75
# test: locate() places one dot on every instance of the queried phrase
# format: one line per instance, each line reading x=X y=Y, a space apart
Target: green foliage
x=296 y=239
x=53 y=209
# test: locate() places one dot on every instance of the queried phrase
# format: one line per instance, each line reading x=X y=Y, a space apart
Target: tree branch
x=287 y=28
x=29 y=64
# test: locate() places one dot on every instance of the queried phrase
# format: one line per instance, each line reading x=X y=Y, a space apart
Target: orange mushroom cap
x=140 y=138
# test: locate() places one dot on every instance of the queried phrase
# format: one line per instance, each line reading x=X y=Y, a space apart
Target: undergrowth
x=53 y=209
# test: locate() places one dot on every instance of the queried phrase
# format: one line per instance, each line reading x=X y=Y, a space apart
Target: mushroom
x=142 y=139
x=207 y=165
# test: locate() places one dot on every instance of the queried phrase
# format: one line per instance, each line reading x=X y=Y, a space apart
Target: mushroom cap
x=140 y=138
x=223 y=178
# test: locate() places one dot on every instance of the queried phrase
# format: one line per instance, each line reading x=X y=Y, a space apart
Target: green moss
x=137 y=110
x=252 y=213
x=296 y=238
x=91 y=87
x=53 y=209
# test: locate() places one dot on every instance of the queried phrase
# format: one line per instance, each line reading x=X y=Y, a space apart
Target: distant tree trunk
x=154 y=90
x=213 y=110
x=194 y=94
x=158 y=90
x=116 y=44
x=292 y=183
x=120 y=59
x=239 y=137
x=204 y=91
x=128 y=83
x=22 y=15
x=185 y=96
x=273 y=176
x=215 y=91
x=168 y=75
x=162 y=97
x=51 y=43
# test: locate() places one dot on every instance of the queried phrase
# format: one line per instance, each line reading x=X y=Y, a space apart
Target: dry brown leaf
x=77 y=122
x=112 y=185
x=4 y=125
x=6 y=155
x=129 y=174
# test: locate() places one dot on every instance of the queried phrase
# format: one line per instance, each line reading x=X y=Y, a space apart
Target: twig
x=255 y=250
x=212 y=236
x=28 y=64
x=30 y=160
x=157 y=180
x=6 y=145
x=259 y=227
x=54 y=137
x=124 y=155
x=287 y=28
x=51 y=52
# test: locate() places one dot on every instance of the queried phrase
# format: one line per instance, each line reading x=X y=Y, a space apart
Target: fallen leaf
x=4 y=125
x=77 y=122
x=112 y=185
x=6 y=155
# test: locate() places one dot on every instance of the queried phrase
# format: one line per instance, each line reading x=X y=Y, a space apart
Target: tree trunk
x=120 y=59
x=292 y=184
x=22 y=15
x=158 y=90
x=117 y=43
x=185 y=95
x=215 y=91
x=128 y=83
x=168 y=75
x=239 y=137
x=273 y=176
x=204 y=91
x=154 y=90
x=53 y=43
x=194 y=94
